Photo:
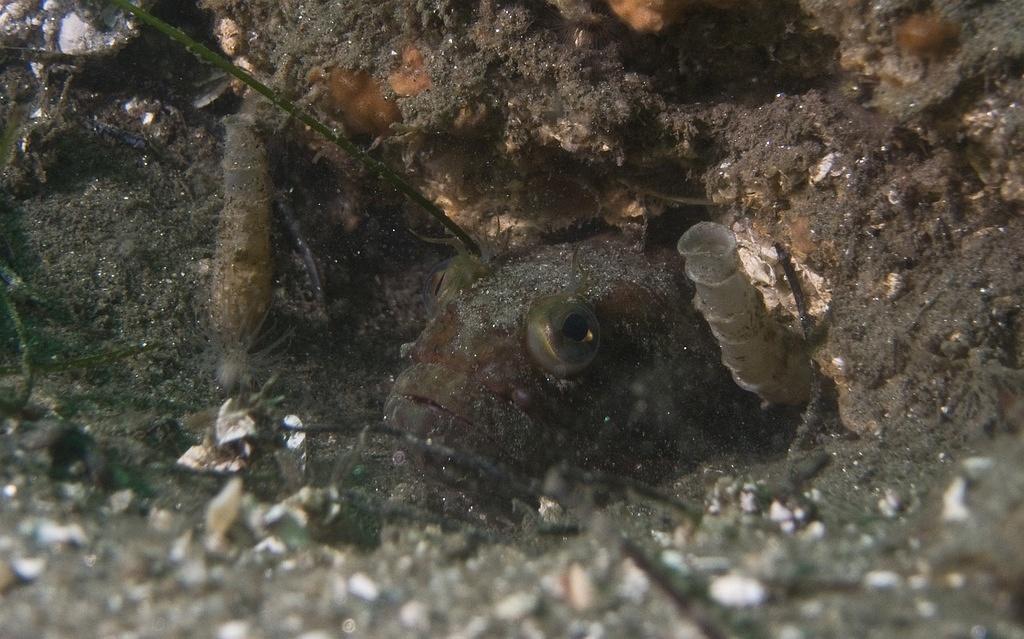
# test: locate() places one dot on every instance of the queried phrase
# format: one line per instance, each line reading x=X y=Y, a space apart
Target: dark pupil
x=575 y=327
x=438 y=282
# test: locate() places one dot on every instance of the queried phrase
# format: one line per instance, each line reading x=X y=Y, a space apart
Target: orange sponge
x=355 y=98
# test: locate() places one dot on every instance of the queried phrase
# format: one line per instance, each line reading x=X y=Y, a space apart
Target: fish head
x=589 y=354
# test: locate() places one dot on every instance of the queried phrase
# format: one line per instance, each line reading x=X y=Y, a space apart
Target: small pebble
x=360 y=585
x=737 y=591
x=711 y=564
x=890 y=503
x=271 y=545
x=579 y=588
x=28 y=568
x=550 y=511
x=674 y=560
x=790 y=632
x=7 y=577
x=221 y=513
x=516 y=606
x=975 y=467
x=823 y=168
x=779 y=513
x=881 y=580
x=193 y=573
x=414 y=616
x=954 y=507
x=120 y=501
x=235 y=629
x=160 y=520
x=783 y=516
x=926 y=608
x=50 y=533
x=76 y=36
x=233 y=423
x=635 y=583
x=748 y=499
x=295 y=441
x=813 y=532
x=180 y=547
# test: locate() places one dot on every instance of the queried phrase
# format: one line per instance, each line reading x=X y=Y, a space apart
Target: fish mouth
x=444 y=406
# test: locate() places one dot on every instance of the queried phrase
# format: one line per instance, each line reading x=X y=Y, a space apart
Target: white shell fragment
x=206 y=458
x=823 y=168
x=76 y=35
x=233 y=423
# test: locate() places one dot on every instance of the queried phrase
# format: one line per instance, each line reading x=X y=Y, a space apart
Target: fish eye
x=448 y=277
x=433 y=284
x=562 y=334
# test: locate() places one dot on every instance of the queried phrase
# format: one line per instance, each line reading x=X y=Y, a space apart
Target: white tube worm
x=763 y=356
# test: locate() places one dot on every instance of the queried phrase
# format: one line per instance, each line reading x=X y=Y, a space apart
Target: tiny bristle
x=234 y=369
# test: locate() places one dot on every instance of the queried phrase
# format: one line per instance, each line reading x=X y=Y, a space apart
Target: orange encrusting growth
x=411 y=78
x=927 y=35
x=648 y=16
x=651 y=16
x=355 y=98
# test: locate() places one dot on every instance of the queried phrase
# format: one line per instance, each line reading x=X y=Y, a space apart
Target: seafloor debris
x=228 y=443
x=64 y=26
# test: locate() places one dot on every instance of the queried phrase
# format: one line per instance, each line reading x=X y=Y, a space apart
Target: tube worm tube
x=762 y=355
x=242 y=271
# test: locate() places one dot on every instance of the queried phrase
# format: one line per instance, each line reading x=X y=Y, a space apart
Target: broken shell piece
x=229 y=446
x=233 y=423
x=206 y=458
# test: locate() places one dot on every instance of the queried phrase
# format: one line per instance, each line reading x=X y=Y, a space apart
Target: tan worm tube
x=763 y=356
x=242 y=269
